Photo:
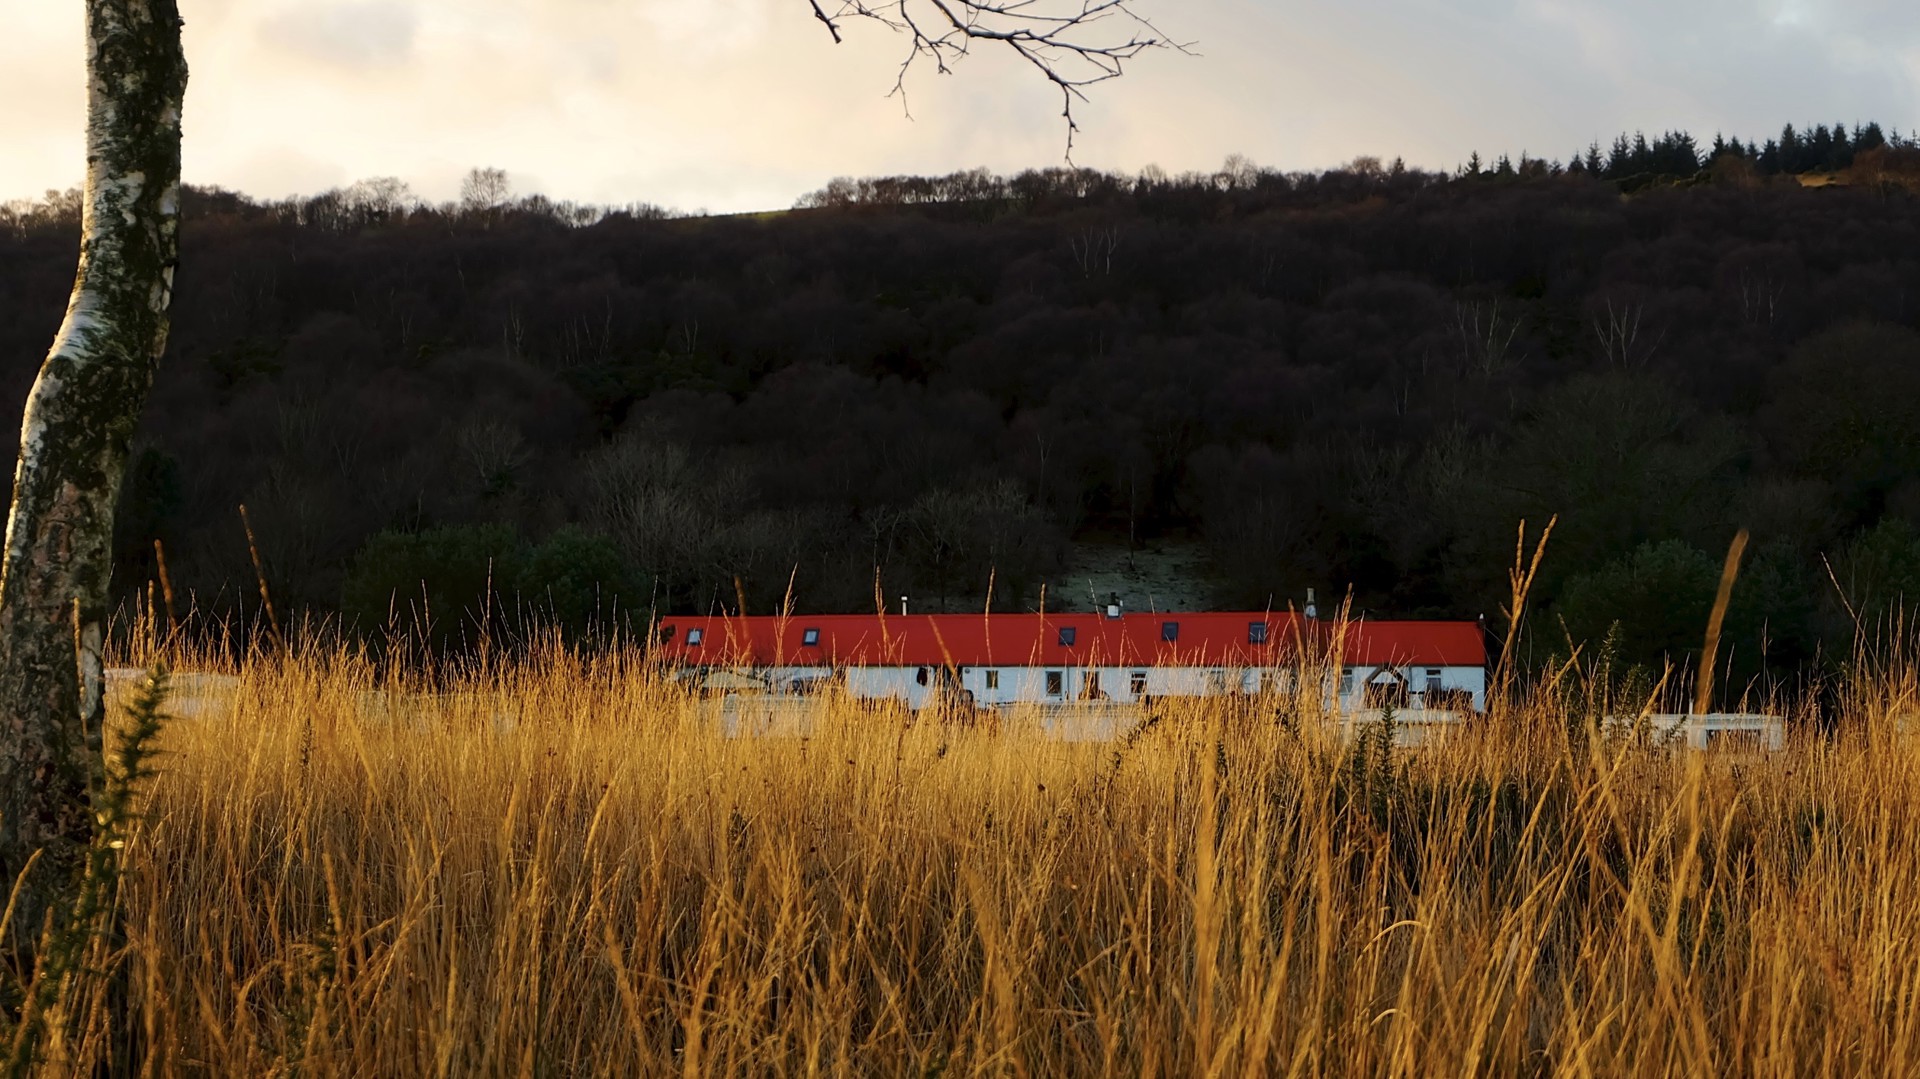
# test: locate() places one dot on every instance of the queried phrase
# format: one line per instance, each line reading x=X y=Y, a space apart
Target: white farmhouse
x=1002 y=660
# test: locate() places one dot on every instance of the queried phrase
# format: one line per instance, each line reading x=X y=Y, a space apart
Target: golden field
x=566 y=868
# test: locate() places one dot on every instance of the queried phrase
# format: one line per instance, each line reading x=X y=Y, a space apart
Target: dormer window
x=1067 y=635
x=1256 y=633
x=810 y=637
x=693 y=638
x=1169 y=631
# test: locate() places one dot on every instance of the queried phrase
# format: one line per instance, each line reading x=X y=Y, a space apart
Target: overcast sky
x=745 y=104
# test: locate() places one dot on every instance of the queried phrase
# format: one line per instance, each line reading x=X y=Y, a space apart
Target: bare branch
x=1073 y=44
x=832 y=27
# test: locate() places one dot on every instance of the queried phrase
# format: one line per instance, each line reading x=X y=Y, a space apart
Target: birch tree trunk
x=79 y=422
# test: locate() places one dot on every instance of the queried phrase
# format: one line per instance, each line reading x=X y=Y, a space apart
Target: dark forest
x=1358 y=381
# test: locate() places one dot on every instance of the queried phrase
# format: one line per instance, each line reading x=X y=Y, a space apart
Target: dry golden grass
x=609 y=886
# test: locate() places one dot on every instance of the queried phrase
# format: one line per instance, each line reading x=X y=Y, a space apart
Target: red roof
x=1223 y=639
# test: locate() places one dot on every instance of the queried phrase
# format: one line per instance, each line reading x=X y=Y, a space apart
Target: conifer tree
x=1791 y=156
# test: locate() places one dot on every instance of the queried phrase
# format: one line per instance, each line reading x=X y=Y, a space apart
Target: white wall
x=1017 y=685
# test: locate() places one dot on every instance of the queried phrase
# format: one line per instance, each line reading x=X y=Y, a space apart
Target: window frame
x=695 y=635
x=1170 y=632
x=810 y=637
x=1067 y=635
x=1056 y=682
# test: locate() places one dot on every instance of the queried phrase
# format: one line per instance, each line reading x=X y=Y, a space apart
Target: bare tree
x=1093 y=250
x=381 y=198
x=1622 y=340
x=80 y=419
x=1486 y=337
x=484 y=191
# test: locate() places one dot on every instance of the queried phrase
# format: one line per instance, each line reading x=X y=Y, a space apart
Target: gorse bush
x=565 y=866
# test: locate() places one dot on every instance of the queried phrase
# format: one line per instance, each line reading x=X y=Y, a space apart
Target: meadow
x=565 y=868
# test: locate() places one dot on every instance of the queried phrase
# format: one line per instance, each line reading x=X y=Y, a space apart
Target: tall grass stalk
x=562 y=865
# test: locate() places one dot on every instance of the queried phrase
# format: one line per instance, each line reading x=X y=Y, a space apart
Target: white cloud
x=353 y=34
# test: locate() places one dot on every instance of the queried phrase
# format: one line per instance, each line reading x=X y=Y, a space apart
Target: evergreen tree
x=1792 y=155
x=1595 y=166
x=1819 y=150
x=1676 y=154
x=1620 y=159
x=1868 y=138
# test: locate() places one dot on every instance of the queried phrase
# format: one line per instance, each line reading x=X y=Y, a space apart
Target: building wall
x=1004 y=686
x=1470 y=682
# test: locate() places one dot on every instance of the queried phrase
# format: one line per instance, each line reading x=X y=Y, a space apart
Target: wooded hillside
x=1359 y=379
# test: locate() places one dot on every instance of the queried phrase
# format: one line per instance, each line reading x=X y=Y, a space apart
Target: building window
x=1386 y=690
x=1169 y=631
x=1256 y=633
x=1090 y=687
x=1137 y=682
x=993 y=679
x=1346 y=681
x=1056 y=683
x=920 y=676
x=693 y=638
x=1433 y=679
x=810 y=637
x=1067 y=634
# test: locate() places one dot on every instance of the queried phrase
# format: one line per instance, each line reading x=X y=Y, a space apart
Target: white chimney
x=1312 y=611
x=1113 y=605
x=903 y=606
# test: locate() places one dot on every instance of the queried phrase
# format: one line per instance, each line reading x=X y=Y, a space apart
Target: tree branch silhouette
x=1073 y=44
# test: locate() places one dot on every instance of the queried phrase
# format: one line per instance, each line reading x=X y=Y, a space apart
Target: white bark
x=75 y=435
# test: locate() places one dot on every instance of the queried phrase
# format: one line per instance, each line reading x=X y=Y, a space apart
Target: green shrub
x=446 y=586
x=438 y=585
x=578 y=580
x=1660 y=596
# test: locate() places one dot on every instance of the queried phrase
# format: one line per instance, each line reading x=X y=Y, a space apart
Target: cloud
x=746 y=104
x=356 y=34
x=708 y=27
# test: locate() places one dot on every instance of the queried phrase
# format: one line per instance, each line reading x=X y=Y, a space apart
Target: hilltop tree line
x=1358 y=380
